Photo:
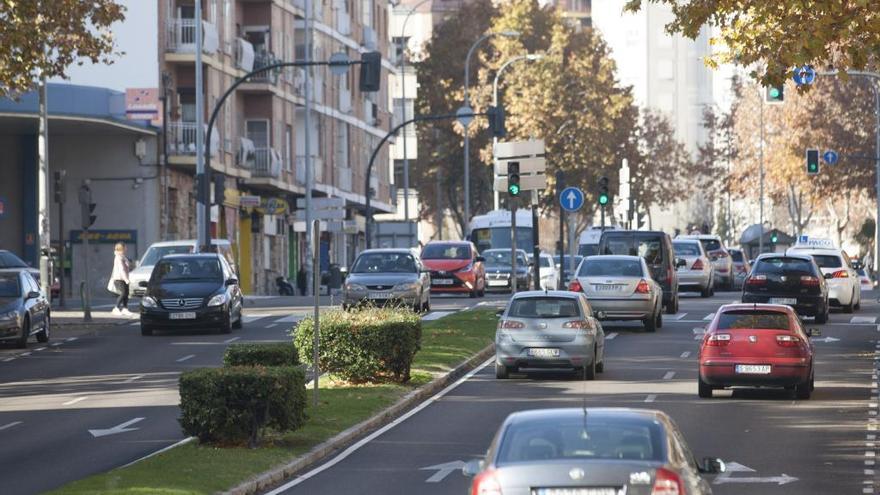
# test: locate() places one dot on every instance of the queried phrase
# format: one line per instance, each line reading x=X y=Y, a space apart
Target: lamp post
x=509 y=62
x=467 y=101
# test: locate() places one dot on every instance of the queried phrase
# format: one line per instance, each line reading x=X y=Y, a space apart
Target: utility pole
x=761 y=178
x=307 y=159
x=203 y=208
x=43 y=191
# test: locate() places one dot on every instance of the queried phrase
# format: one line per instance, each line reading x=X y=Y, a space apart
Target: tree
x=43 y=38
x=843 y=32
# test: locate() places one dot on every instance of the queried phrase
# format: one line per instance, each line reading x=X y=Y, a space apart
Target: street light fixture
x=467 y=101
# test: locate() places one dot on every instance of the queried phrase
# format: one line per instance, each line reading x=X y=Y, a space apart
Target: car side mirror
x=713 y=465
x=480 y=259
x=680 y=262
x=231 y=281
x=473 y=467
x=33 y=294
x=143 y=284
x=499 y=313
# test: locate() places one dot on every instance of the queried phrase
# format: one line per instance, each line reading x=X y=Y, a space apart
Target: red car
x=756 y=345
x=456 y=267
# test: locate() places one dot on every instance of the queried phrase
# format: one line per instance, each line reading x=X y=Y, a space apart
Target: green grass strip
x=197 y=469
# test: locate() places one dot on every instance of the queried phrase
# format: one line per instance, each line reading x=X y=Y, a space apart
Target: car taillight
x=486 y=483
x=757 y=280
x=718 y=339
x=698 y=265
x=575 y=286
x=512 y=325
x=643 y=287
x=788 y=340
x=667 y=482
x=579 y=324
x=840 y=274
x=809 y=280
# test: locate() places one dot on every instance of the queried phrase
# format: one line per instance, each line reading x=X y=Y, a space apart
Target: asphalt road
x=773 y=444
x=86 y=404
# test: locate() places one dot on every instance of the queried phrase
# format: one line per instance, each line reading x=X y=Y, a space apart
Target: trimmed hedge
x=232 y=405
x=368 y=345
x=261 y=354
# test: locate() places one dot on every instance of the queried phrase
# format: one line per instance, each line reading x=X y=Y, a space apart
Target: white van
x=588 y=243
x=159 y=249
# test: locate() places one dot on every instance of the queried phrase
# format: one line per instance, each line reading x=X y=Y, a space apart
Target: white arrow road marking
x=685 y=354
x=709 y=317
x=863 y=319
x=120 y=428
x=186 y=358
x=443 y=470
x=825 y=339
x=735 y=467
x=10 y=425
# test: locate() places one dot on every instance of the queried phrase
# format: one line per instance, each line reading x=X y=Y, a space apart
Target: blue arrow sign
x=571 y=199
x=830 y=157
x=804 y=75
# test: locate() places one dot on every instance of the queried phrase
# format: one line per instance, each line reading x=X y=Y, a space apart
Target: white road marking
x=650 y=398
x=135 y=377
x=38 y=349
x=74 y=401
x=186 y=358
x=669 y=375
x=55 y=344
x=9 y=359
x=436 y=315
x=863 y=319
x=250 y=318
x=676 y=316
x=685 y=354
x=270 y=325
x=289 y=319
x=443 y=470
x=23 y=354
x=163 y=449
x=229 y=341
x=611 y=336
x=709 y=317
x=70 y=339
x=120 y=428
x=10 y=425
x=134 y=324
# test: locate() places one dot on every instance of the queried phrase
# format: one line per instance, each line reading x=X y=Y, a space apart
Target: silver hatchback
x=388 y=276
x=549 y=329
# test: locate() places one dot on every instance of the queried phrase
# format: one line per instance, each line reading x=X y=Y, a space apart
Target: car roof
x=14 y=270
x=188 y=242
x=190 y=256
x=566 y=294
x=814 y=250
x=698 y=237
x=601 y=257
x=388 y=250
x=686 y=240
x=803 y=257
x=449 y=243
x=647 y=415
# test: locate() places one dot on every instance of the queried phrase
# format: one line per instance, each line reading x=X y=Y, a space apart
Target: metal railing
x=182 y=138
x=267 y=163
x=180 y=34
x=264 y=59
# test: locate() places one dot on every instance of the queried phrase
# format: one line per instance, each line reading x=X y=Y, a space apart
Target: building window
x=400 y=45
x=367 y=13
x=403 y=110
x=398 y=172
x=288 y=147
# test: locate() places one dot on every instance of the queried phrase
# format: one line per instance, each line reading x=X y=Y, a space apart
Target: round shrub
x=261 y=354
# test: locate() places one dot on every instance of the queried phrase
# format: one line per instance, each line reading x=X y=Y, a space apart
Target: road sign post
x=560 y=187
x=316 y=283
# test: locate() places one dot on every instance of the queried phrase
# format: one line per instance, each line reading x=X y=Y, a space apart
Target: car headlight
x=408 y=286
x=148 y=302
x=9 y=315
x=355 y=287
x=218 y=300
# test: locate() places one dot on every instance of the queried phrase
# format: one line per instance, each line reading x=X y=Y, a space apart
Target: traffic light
x=513 y=187
x=219 y=187
x=496 y=121
x=371 y=72
x=604 y=198
x=58 y=186
x=812 y=162
x=774 y=237
x=87 y=206
x=775 y=94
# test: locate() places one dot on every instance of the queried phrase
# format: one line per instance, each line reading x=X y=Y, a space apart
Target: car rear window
x=588 y=249
x=827 y=260
x=737 y=256
x=647 y=246
x=600 y=267
x=686 y=249
x=544 y=307
x=753 y=320
x=581 y=438
x=711 y=244
x=783 y=265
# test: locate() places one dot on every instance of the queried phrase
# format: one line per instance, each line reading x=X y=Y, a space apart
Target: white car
x=694 y=270
x=843 y=281
x=548 y=272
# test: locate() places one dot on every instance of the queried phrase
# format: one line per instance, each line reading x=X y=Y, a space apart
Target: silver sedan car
x=620 y=287
x=695 y=269
x=590 y=451
x=549 y=329
x=388 y=276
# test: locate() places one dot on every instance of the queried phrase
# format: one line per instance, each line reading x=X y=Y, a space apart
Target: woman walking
x=120 y=281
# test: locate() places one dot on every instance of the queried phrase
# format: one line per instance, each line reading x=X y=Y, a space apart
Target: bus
x=492 y=230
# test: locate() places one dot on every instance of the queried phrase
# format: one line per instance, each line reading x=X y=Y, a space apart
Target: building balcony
x=317 y=167
x=265 y=59
x=182 y=139
x=267 y=163
x=181 y=36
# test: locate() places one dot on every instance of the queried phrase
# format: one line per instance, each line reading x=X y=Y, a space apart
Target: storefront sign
x=246 y=201
x=273 y=206
x=105 y=236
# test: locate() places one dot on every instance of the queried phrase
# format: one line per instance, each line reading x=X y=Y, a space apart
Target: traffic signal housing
x=219 y=181
x=774 y=238
x=775 y=94
x=371 y=72
x=496 y=121
x=58 y=186
x=604 y=198
x=513 y=186
x=812 y=162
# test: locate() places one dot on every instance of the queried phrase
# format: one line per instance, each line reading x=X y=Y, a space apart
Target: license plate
x=188 y=315
x=576 y=491
x=783 y=300
x=607 y=287
x=379 y=295
x=441 y=281
x=543 y=352
x=494 y=283
x=753 y=369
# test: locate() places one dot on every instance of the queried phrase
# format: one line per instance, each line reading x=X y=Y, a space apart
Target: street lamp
x=467 y=101
x=530 y=57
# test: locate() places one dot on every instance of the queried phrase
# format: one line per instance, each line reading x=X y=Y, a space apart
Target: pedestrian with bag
x=119 y=281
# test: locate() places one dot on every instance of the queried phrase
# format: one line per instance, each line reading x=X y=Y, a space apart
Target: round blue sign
x=571 y=199
x=804 y=75
x=830 y=157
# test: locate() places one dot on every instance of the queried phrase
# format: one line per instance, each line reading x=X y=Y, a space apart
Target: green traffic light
x=603 y=199
x=513 y=189
x=774 y=92
x=773 y=238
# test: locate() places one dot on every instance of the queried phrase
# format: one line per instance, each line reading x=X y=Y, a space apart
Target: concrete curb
x=320 y=452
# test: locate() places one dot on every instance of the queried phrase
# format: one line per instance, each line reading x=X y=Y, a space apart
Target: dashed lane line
x=10 y=425
x=229 y=341
x=650 y=398
x=186 y=358
x=685 y=354
x=74 y=401
x=863 y=319
x=669 y=375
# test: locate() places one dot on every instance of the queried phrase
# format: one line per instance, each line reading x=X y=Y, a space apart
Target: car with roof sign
x=844 y=288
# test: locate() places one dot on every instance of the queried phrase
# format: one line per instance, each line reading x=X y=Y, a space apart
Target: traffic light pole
x=513 y=200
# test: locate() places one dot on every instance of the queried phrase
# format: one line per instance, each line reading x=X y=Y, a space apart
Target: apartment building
x=258 y=142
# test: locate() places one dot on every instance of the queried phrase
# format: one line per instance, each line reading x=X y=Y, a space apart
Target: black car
x=656 y=248
x=791 y=279
x=189 y=291
x=498 y=268
x=24 y=310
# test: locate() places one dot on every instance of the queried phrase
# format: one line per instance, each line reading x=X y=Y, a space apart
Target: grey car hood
x=389 y=279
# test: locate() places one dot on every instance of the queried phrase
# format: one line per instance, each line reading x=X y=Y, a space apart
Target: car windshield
x=737 y=256
x=546 y=262
x=711 y=244
x=828 y=261
x=187 y=270
x=581 y=438
x=780 y=266
x=446 y=252
x=598 y=267
x=9 y=260
x=9 y=285
x=384 y=263
x=753 y=320
x=155 y=253
x=502 y=258
x=686 y=248
x=544 y=307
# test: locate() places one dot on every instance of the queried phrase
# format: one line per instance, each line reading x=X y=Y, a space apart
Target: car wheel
x=704 y=390
x=659 y=319
x=600 y=366
x=43 y=335
x=21 y=343
x=851 y=306
x=651 y=323
x=589 y=371
x=501 y=372
x=672 y=307
x=226 y=325
x=146 y=331
x=803 y=390
x=238 y=322
x=822 y=317
x=707 y=292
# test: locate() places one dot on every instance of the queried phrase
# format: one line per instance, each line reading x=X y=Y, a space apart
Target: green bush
x=232 y=405
x=372 y=344
x=261 y=354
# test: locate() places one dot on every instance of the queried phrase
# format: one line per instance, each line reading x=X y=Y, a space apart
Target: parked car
x=456 y=267
x=865 y=282
x=590 y=451
x=548 y=272
x=388 y=276
x=157 y=250
x=498 y=267
x=791 y=279
x=741 y=267
x=621 y=288
x=756 y=345
x=694 y=268
x=722 y=263
x=189 y=291
x=8 y=259
x=656 y=248
x=549 y=329
x=844 y=288
x=24 y=310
